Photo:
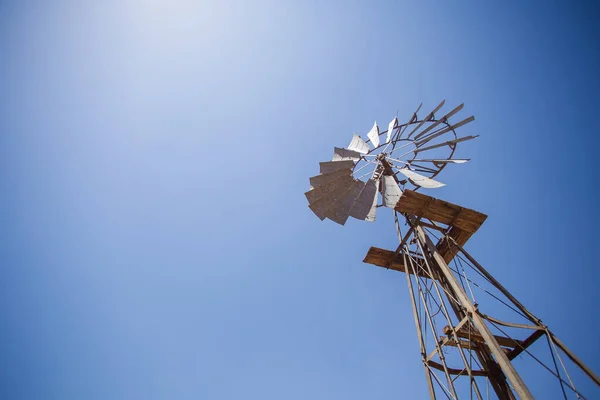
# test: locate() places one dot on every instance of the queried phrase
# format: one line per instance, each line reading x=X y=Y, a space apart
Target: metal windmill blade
x=340 y=210
x=359 y=145
x=330 y=166
x=392 y=125
x=448 y=143
x=420 y=180
x=412 y=119
x=334 y=192
x=443 y=119
x=391 y=191
x=365 y=206
x=373 y=135
x=323 y=179
x=323 y=197
x=324 y=189
x=440 y=132
x=345 y=154
x=428 y=118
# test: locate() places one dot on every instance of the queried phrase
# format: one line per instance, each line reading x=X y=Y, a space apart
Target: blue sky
x=156 y=242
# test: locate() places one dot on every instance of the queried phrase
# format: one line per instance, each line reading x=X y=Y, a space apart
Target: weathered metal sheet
x=357 y=144
x=340 y=210
x=373 y=135
x=434 y=135
x=391 y=128
x=321 y=206
x=411 y=120
x=319 y=180
x=427 y=118
x=448 y=143
x=373 y=211
x=420 y=180
x=364 y=207
x=340 y=154
x=391 y=191
x=318 y=192
x=439 y=121
x=330 y=166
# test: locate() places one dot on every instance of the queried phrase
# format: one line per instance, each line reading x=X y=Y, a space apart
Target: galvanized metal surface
x=392 y=125
x=448 y=143
x=440 y=132
x=357 y=144
x=391 y=192
x=328 y=192
x=321 y=205
x=439 y=121
x=316 y=181
x=427 y=118
x=364 y=207
x=373 y=135
x=412 y=119
x=420 y=180
x=330 y=166
x=340 y=154
x=340 y=210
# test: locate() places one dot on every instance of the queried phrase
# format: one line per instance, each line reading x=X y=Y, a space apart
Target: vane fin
x=427 y=118
x=420 y=180
x=319 y=180
x=340 y=210
x=359 y=145
x=322 y=191
x=447 y=129
x=439 y=121
x=410 y=121
x=391 y=191
x=330 y=166
x=448 y=143
x=373 y=135
x=364 y=207
x=391 y=128
x=340 y=154
x=321 y=205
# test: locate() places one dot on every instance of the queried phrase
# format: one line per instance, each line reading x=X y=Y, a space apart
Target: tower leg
x=420 y=333
x=499 y=355
x=436 y=288
x=494 y=373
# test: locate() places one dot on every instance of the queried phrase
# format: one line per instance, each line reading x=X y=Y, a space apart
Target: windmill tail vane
x=446 y=284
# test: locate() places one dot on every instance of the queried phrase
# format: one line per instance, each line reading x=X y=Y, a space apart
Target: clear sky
x=156 y=242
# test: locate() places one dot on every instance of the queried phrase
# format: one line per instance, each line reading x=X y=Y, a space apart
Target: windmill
x=465 y=351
